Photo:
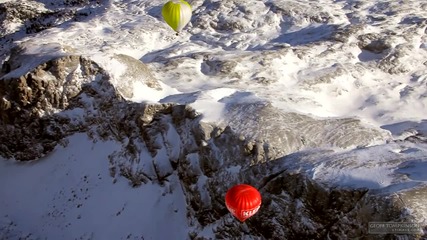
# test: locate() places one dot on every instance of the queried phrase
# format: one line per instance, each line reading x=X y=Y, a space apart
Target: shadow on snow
x=307 y=35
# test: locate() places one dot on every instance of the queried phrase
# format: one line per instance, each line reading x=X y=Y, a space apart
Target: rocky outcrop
x=51 y=100
x=72 y=93
x=49 y=92
x=273 y=134
x=21 y=18
x=373 y=42
x=30 y=127
x=293 y=204
x=35 y=16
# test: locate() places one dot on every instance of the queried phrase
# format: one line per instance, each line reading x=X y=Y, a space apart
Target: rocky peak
x=257 y=144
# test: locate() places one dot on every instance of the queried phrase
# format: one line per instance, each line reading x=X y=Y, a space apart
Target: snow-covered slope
x=307 y=100
x=71 y=195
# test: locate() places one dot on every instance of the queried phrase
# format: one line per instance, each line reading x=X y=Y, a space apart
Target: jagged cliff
x=58 y=97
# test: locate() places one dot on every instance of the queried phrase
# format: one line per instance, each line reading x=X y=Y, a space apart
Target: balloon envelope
x=176 y=13
x=243 y=201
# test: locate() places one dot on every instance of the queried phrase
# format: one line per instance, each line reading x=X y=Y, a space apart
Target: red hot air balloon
x=243 y=201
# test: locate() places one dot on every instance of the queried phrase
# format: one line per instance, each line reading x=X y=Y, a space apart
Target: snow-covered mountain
x=113 y=127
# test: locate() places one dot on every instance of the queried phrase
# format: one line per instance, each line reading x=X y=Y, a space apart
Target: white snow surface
x=69 y=194
x=136 y=28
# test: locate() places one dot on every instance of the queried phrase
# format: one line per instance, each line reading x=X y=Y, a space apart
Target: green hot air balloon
x=177 y=13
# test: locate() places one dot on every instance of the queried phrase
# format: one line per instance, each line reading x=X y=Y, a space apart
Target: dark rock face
x=30 y=127
x=43 y=102
x=373 y=42
x=71 y=93
x=295 y=206
x=216 y=67
x=20 y=13
x=32 y=104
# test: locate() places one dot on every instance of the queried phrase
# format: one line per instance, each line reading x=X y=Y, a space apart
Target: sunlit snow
x=70 y=194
